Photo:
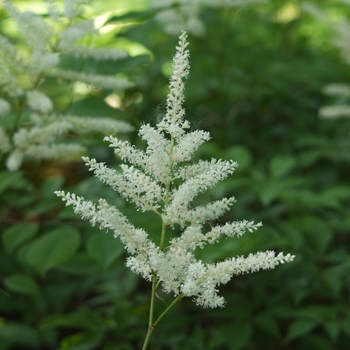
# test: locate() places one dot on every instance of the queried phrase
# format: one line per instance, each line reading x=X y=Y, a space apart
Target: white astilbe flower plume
x=176 y=15
x=341 y=35
x=164 y=179
x=35 y=57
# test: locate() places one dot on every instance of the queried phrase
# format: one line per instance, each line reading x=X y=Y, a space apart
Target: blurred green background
x=256 y=81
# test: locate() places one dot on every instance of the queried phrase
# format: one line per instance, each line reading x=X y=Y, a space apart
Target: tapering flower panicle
x=174 y=122
x=164 y=179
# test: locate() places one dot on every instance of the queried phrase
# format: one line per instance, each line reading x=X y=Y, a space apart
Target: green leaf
x=94 y=106
x=8 y=178
x=316 y=342
x=88 y=319
x=198 y=338
x=313 y=312
x=51 y=185
x=17 y=234
x=292 y=234
x=345 y=327
x=334 y=275
x=234 y=336
x=332 y=328
x=80 y=264
x=318 y=233
x=22 y=284
x=82 y=341
x=134 y=15
x=289 y=189
x=18 y=336
x=281 y=165
x=239 y=333
x=268 y=192
x=332 y=197
x=127 y=64
x=268 y=323
x=53 y=248
x=240 y=154
x=104 y=248
x=42 y=207
x=299 y=328
x=109 y=67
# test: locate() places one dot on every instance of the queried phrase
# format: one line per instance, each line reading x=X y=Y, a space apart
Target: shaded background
x=256 y=81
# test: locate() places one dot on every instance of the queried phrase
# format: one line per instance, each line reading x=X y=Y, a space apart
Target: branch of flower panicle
x=174 y=122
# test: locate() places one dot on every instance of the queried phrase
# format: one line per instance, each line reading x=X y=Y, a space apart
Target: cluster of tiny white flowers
x=9 y=63
x=5 y=145
x=34 y=29
x=164 y=179
x=5 y=108
x=99 y=53
x=341 y=40
x=75 y=32
x=337 y=89
x=39 y=142
x=84 y=125
x=176 y=15
x=39 y=102
x=341 y=31
x=44 y=38
x=74 y=8
x=53 y=151
x=24 y=68
x=336 y=111
x=43 y=61
x=45 y=134
x=96 y=80
x=186 y=15
x=174 y=122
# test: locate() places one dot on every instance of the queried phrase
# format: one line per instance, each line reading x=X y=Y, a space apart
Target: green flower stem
x=162 y=237
x=167 y=191
x=152 y=324
x=155 y=284
x=151 y=312
x=18 y=108
x=178 y=298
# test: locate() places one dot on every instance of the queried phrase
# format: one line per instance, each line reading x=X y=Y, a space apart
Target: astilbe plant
x=175 y=15
x=164 y=179
x=340 y=92
x=30 y=124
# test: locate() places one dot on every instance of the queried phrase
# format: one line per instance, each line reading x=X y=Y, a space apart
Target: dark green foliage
x=255 y=84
